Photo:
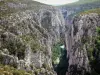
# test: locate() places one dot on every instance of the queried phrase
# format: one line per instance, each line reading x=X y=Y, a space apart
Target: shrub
x=56 y=51
x=7 y=70
x=94 y=53
x=33 y=41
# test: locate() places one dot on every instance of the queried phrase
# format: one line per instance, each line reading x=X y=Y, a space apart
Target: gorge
x=31 y=34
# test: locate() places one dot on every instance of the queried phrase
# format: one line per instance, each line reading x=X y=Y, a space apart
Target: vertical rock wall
x=78 y=40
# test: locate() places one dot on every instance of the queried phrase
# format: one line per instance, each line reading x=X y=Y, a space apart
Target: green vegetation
x=15 y=47
x=94 y=54
x=6 y=10
x=56 y=52
x=90 y=55
x=33 y=41
x=98 y=30
x=8 y=70
x=97 y=10
x=62 y=67
x=80 y=2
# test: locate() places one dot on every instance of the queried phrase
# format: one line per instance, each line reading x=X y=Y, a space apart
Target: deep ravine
x=31 y=34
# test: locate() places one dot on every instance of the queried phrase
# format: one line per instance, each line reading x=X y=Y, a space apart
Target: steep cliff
x=28 y=30
x=79 y=41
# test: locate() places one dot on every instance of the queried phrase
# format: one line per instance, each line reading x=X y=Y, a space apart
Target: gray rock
x=29 y=33
x=78 y=40
x=8 y=60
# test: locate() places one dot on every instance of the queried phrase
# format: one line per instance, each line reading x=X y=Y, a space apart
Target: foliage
x=90 y=51
x=6 y=10
x=7 y=70
x=15 y=47
x=98 y=30
x=56 y=51
x=33 y=41
x=94 y=53
x=62 y=67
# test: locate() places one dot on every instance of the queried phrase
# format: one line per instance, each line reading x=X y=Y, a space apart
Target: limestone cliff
x=79 y=39
x=28 y=30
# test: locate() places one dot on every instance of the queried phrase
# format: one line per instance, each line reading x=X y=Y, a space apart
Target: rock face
x=8 y=59
x=79 y=39
x=29 y=34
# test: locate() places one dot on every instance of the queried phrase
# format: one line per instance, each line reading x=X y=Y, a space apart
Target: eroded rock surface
x=78 y=40
x=29 y=33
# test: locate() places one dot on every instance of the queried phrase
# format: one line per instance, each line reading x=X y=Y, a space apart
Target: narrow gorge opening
x=59 y=59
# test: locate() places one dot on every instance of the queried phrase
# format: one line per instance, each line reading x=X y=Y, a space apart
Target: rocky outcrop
x=29 y=34
x=79 y=39
x=6 y=59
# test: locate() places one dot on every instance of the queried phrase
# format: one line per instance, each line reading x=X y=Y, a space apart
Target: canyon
x=29 y=30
